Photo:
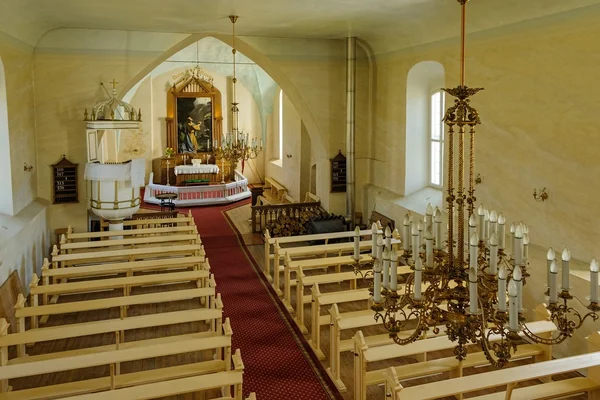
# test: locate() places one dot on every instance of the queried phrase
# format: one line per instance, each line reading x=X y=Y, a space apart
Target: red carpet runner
x=277 y=364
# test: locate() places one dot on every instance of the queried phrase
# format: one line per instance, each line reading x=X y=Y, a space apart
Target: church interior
x=287 y=200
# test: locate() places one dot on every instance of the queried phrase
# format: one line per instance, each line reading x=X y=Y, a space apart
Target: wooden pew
x=321 y=250
x=219 y=345
x=124 y=283
x=366 y=354
x=35 y=311
x=105 y=235
x=231 y=379
x=64 y=260
x=356 y=320
x=277 y=189
x=145 y=241
x=152 y=222
x=129 y=268
x=510 y=378
x=338 y=277
x=118 y=326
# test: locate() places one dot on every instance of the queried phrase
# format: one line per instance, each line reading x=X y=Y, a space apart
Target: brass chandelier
x=461 y=284
x=236 y=145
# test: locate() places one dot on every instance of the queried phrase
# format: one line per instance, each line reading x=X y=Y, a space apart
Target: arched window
x=6 y=200
x=436 y=139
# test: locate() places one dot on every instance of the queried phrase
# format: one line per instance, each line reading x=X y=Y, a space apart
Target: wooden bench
x=145 y=241
x=232 y=380
x=277 y=189
x=130 y=267
x=34 y=311
x=219 y=345
x=157 y=222
x=124 y=283
x=118 y=326
x=366 y=354
x=356 y=320
x=106 y=235
x=510 y=378
x=320 y=250
x=338 y=277
x=64 y=260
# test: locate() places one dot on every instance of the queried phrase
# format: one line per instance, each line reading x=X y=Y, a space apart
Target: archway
x=6 y=200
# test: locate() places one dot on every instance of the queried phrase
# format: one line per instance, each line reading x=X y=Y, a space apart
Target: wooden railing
x=266 y=214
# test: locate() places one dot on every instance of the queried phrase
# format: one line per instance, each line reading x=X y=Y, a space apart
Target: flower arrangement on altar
x=169 y=152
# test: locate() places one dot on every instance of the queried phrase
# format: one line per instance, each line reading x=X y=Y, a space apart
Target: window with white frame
x=436 y=140
x=281 y=124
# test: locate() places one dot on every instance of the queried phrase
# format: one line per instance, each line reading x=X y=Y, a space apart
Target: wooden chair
x=510 y=378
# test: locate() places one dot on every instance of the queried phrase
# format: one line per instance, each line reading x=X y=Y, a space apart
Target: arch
x=266 y=64
x=6 y=198
x=423 y=79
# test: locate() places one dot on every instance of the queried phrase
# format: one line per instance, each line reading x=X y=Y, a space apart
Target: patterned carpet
x=278 y=364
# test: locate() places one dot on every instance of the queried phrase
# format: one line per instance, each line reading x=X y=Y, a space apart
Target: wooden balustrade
x=268 y=214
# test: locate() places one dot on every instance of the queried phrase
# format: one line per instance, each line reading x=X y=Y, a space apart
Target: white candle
x=525 y=258
x=566 y=257
x=415 y=243
x=429 y=216
x=493 y=222
x=394 y=271
x=501 y=232
x=420 y=227
x=473 y=306
x=513 y=314
x=513 y=227
x=502 y=288
x=374 y=240
x=406 y=233
x=486 y=225
x=518 y=279
x=379 y=246
x=388 y=238
x=550 y=256
x=377 y=281
x=553 y=284
x=594 y=281
x=518 y=245
x=493 y=254
x=472 y=225
x=386 y=268
x=357 y=243
x=473 y=250
x=418 y=279
x=429 y=248
x=481 y=224
x=438 y=229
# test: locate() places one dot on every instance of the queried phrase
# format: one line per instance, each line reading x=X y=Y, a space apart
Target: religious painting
x=194 y=124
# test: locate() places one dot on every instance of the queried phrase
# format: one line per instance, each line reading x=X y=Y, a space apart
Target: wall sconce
x=542 y=196
x=478 y=179
x=27 y=168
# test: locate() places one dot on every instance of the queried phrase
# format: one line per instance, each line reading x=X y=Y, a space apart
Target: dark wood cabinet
x=338 y=173
x=64 y=182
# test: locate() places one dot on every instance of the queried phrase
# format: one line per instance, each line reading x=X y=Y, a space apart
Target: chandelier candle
x=525 y=249
x=377 y=281
x=518 y=278
x=420 y=227
x=437 y=216
x=493 y=254
x=473 y=225
x=406 y=233
x=374 y=240
x=594 y=281
x=429 y=248
x=429 y=216
x=379 y=252
x=388 y=238
x=418 y=279
x=550 y=256
x=513 y=313
x=394 y=274
x=486 y=226
x=415 y=243
x=566 y=257
x=518 y=245
x=473 y=251
x=473 y=289
x=513 y=245
x=502 y=288
x=357 y=243
x=493 y=222
x=553 y=284
x=481 y=225
x=501 y=232
x=386 y=268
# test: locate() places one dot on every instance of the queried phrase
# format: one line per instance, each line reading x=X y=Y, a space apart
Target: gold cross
x=114 y=83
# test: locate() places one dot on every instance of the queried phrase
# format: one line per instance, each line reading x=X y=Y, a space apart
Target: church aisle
x=277 y=366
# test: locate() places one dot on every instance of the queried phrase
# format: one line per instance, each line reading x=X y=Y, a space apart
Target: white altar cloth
x=196 y=169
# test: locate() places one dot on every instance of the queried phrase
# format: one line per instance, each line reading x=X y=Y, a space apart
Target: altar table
x=209 y=172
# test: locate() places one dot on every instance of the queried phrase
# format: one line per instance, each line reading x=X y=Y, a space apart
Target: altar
x=197 y=173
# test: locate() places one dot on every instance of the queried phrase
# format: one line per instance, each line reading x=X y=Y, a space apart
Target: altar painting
x=194 y=124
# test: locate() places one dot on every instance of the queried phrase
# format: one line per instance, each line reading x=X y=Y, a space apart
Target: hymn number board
x=338 y=173
x=64 y=174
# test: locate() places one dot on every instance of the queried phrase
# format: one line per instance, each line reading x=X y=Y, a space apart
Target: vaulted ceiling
x=386 y=24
